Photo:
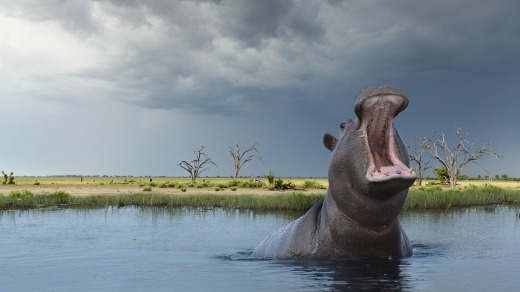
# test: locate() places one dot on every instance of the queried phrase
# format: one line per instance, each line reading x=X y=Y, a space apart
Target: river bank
x=254 y=194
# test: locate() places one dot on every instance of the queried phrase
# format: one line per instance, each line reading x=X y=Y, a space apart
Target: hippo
x=369 y=175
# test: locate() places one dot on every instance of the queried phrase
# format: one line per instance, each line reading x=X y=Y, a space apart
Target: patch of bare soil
x=100 y=190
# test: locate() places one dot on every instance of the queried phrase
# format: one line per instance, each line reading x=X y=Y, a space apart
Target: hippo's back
x=297 y=239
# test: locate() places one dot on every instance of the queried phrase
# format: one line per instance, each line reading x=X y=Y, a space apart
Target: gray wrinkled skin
x=369 y=177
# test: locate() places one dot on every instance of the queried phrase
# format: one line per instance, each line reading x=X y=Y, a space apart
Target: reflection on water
x=333 y=275
x=376 y=275
x=164 y=249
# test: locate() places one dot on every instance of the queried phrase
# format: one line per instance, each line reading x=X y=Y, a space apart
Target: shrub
x=36 y=183
x=233 y=183
x=309 y=184
x=21 y=194
x=442 y=174
x=233 y=189
x=8 y=179
x=207 y=184
x=183 y=189
x=163 y=185
x=60 y=194
x=279 y=184
x=147 y=189
x=251 y=184
x=270 y=177
x=217 y=189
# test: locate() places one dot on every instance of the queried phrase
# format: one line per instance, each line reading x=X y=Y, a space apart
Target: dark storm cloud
x=193 y=54
x=291 y=64
x=252 y=22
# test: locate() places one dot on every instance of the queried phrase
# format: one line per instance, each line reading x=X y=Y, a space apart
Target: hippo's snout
x=365 y=100
x=376 y=110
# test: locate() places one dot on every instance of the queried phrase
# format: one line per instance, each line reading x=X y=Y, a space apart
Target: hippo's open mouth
x=376 y=114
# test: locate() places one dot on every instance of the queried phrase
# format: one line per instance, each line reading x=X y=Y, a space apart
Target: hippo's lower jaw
x=376 y=115
x=389 y=173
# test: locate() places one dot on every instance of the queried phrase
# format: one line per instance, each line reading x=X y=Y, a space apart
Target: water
x=145 y=249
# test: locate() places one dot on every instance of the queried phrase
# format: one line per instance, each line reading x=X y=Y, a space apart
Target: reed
x=422 y=198
x=436 y=198
x=286 y=202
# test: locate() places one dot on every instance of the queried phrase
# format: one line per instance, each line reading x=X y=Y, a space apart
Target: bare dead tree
x=240 y=158
x=455 y=159
x=198 y=165
x=418 y=149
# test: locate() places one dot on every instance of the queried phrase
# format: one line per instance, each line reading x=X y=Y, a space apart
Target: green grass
x=418 y=198
x=286 y=202
x=469 y=196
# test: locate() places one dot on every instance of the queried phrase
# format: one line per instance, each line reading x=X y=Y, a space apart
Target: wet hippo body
x=369 y=177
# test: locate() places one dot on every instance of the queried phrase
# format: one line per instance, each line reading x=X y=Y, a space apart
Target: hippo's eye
x=344 y=125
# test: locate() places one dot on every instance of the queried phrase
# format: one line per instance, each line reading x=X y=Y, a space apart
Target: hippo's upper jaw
x=375 y=113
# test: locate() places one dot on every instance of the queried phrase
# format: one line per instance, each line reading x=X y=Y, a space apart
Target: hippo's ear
x=329 y=141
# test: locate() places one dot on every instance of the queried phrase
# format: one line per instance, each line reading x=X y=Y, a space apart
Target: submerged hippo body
x=369 y=177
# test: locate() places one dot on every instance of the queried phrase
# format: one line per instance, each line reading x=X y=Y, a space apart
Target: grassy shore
x=246 y=194
x=468 y=196
x=285 y=202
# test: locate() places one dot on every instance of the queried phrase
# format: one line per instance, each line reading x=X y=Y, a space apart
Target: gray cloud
x=251 y=22
x=254 y=22
x=303 y=61
x=172 y=54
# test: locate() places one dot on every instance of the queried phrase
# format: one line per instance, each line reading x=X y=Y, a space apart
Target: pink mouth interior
x=378 y=113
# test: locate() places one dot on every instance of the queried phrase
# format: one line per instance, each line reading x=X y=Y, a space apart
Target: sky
x=133 y=87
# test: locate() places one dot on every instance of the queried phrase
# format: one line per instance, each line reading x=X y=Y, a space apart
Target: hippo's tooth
x=377 y=158
x=382 y=136
x=388 y=161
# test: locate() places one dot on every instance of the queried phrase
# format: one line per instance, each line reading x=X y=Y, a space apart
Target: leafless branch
x=455 y=159
x=418 y=149
x=200 y=164
x=240 y=158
